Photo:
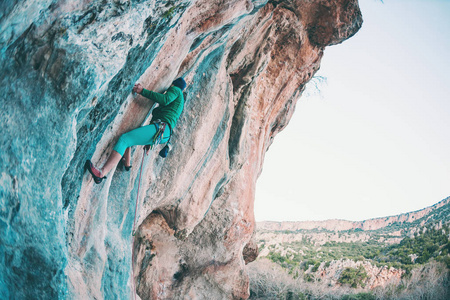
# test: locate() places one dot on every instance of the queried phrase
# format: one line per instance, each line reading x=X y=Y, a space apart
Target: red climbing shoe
x=94 y=172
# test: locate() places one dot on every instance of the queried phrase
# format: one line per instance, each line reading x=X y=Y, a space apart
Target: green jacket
x=171 y=105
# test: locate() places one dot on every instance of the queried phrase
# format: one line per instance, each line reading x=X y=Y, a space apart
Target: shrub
x=360 y=296
x=353 y=276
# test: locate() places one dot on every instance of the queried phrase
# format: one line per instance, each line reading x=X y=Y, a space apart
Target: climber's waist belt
x=159 y=136
x=160 y=128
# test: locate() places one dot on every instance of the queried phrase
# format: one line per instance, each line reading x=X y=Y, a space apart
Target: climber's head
x=179 y=82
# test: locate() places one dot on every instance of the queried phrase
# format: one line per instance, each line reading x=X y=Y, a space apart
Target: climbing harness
x=159 y=136
x=160 y=128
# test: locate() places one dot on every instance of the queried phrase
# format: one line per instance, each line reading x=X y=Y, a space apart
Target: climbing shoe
x=94 y=172
x=127 y=168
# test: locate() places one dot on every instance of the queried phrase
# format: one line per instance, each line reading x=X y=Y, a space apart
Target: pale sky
x=376 y=140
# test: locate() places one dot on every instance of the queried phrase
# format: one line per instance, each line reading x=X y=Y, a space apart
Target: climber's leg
x=140 y=136
x=127 y=159
x=112 y=161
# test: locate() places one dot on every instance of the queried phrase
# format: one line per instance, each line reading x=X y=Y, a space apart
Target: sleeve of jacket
x=162 y=99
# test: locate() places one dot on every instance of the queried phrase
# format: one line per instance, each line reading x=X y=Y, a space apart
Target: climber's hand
x=138 y=88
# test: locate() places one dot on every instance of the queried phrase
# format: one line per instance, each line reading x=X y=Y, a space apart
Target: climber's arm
x=162 y=99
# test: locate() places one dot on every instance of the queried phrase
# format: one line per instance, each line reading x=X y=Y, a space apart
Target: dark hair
x=179 y=82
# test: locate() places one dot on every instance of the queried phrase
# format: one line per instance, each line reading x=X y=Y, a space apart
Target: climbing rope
x=137 y=196
x=156 y=140
x=134 y=226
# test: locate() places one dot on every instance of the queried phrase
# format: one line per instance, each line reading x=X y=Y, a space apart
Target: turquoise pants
x=140 y=136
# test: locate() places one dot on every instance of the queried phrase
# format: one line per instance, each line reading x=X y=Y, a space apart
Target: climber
x=171 y=105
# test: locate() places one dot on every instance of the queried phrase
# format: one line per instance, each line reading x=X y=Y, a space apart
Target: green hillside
x=428 y=243
x=393 y=260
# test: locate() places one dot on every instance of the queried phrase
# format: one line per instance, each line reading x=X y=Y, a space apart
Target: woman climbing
x=164 y=119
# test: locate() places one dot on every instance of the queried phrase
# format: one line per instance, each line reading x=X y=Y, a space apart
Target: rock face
x=67 y=69
x=376 y=276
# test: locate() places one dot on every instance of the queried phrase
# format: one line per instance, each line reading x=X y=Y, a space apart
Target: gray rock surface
x=67 y=69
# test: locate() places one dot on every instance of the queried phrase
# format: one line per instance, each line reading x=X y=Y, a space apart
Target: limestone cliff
x=436 y=212
x=67 y=69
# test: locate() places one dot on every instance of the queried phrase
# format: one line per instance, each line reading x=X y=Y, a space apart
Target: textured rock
x=376 y=276
x=67 y=71
x=251 y=251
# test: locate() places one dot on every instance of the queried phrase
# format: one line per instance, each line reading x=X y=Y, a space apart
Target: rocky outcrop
x=376 y=276
x=67 y=71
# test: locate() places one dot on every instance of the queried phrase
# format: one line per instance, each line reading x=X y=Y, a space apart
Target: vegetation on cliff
x=398 y=261
x=428 y=243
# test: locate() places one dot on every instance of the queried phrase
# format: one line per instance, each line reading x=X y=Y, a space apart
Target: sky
x=374 y=140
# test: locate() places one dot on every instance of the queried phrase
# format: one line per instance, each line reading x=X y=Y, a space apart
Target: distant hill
x=388 y=230
x=437 y=212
